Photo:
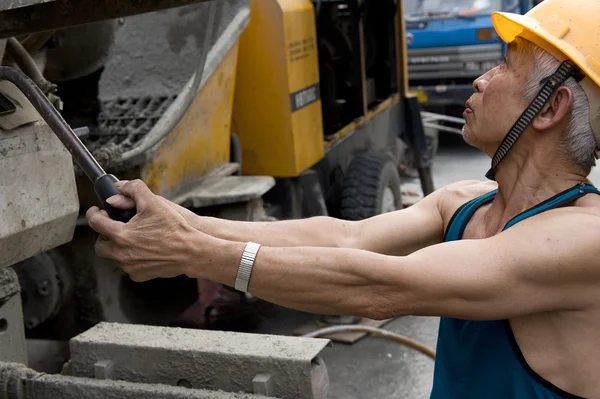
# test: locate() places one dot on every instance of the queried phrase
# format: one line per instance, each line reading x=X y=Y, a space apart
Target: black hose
x=63 y=131
x=22 y=58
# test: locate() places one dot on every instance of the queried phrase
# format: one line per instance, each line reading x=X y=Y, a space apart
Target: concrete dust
x=155 y=54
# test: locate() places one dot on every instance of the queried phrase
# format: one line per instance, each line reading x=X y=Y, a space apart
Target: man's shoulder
x=575 y=227
x=468 y=189
x=452 y=196
x=583 y=215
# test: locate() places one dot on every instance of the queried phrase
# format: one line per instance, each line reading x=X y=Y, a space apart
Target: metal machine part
x=45 y=286
x=119 y=360
x=37 y=192
x=32 y=16
x=12 y=337
x=103 y=183
x=78 y=51
x=143 y=102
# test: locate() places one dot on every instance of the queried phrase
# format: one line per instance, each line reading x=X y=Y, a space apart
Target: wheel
x=371 y=187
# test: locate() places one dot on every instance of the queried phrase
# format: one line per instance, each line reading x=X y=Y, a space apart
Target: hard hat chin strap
x=566 y=70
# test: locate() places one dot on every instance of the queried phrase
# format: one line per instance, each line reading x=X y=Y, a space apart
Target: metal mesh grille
x=122 y=123
x=132 y=116
x=125 y=121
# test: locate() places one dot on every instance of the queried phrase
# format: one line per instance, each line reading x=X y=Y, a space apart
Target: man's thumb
x=120 y=201
x=137 y=193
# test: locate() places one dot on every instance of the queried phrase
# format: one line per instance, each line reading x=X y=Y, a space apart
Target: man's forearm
x=311 y=232
x=317 y=280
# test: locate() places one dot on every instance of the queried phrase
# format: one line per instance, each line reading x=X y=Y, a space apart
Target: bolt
x=32 y=322
x=43 y=288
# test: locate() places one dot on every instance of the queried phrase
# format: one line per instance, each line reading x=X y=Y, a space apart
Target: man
x=510 y=265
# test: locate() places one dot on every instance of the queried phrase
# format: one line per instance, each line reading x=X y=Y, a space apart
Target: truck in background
x=450 y=43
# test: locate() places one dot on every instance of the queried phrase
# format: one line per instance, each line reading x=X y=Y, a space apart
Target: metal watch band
x=245 y=268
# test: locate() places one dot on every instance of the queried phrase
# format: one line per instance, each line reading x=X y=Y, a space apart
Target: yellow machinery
x=277 y=108
x=241 y=109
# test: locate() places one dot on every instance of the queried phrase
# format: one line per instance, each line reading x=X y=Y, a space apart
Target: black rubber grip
x=105 y=188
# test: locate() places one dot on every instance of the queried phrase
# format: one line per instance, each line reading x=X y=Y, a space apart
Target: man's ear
x=556 y=110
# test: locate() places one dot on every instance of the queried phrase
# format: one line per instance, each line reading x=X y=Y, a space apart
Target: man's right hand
x=122 y=202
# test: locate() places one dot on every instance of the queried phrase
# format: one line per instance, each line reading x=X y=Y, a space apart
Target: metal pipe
x=23 y=59
x=61 y=128
x=433 y=116
x=34 y=42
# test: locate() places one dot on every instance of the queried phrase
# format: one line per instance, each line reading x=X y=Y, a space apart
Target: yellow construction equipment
x=249 y=110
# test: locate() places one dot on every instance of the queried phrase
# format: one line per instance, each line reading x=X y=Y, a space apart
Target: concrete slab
x=199 y=359
x=19 y=382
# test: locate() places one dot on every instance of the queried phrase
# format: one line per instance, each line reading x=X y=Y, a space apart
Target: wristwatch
x=245 y=268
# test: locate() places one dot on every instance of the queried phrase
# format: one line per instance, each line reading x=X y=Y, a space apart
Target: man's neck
x=526 y=179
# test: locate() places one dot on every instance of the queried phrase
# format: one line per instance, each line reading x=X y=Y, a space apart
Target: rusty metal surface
x=42 y=15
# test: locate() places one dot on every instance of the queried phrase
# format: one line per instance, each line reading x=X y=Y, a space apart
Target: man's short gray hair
x=579 y=141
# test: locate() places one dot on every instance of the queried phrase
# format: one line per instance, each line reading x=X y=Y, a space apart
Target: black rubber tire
x=364 y=183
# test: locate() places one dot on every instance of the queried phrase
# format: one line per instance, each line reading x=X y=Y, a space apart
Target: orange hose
x=375 y=331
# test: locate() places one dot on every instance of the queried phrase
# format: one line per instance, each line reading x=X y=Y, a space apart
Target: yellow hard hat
x=569 y=26
x=567 y=29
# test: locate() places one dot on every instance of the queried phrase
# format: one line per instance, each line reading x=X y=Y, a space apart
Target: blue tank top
x=481 y=359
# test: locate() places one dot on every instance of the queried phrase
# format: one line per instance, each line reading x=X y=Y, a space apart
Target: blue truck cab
x=450 y=43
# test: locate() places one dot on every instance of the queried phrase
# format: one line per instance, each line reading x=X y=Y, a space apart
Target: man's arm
x=547 y=263
x=395 y=233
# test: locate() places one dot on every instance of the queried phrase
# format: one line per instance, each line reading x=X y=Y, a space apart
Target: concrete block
x=200 y=359
x=263 y=384
x=38 y=195
x=19 y=382
x=104 y=370
x=13 y=347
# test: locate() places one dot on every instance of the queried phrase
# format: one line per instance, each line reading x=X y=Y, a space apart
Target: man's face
x=497 y=103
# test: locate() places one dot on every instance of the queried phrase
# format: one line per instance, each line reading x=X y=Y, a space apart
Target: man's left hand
x=157 y=242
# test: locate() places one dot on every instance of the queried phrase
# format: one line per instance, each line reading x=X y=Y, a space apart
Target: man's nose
x=480 y=84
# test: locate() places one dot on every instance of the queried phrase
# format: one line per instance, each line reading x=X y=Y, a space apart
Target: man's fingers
x=105 y=248
x=120 y=201
x=100 y=222
x=137 y=191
